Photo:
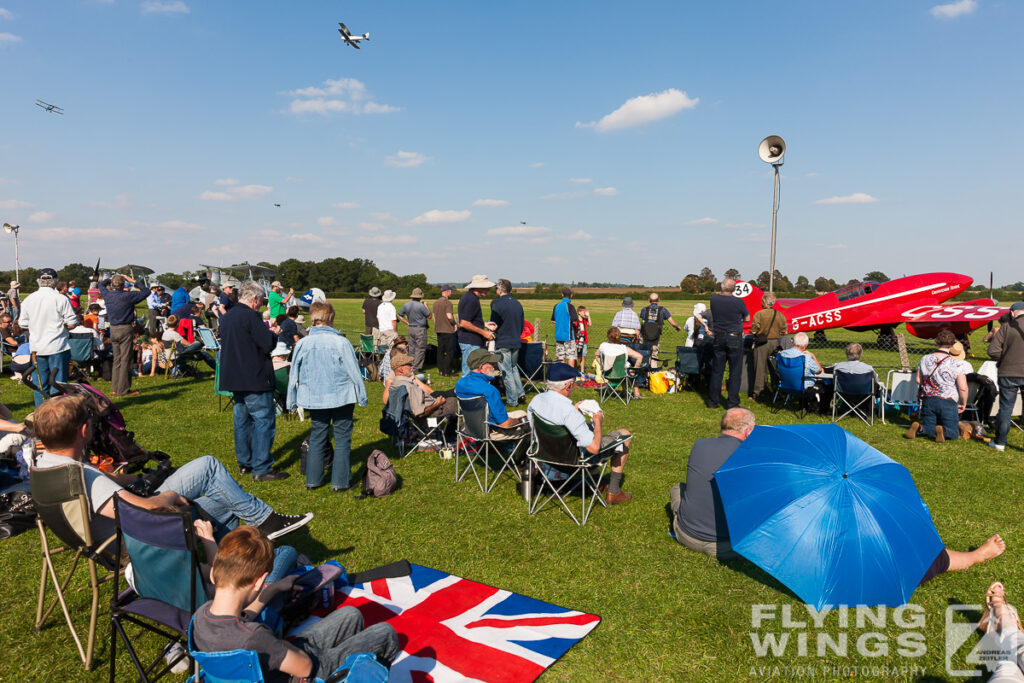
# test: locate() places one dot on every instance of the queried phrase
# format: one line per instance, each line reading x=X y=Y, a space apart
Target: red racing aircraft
x=915 y=300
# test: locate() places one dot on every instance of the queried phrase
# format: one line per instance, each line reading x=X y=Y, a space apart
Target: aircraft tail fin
x=751 y=295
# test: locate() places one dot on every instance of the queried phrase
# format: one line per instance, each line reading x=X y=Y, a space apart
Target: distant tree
x=877 y=276
x=733 y=273
x=706 y=274
x=852 y=281
x=782 y=283
x=823 y=284
x=762 y=279
x=170 y=280
x=77 y=272
x=803 y=284
x=1016 y=286
x=690 y=284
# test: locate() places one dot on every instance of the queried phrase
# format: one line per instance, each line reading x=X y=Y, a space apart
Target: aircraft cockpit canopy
x=855 y=290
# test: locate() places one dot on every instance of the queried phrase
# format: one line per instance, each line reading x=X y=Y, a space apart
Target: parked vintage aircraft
x=915 y=300
x=347 y=36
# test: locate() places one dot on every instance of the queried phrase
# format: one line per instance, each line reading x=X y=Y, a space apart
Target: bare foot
x=991 y=548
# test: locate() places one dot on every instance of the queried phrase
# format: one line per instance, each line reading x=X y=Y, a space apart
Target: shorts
x=565 y=350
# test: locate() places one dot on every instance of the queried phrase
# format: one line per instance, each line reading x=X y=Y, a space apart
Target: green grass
x=667 y=613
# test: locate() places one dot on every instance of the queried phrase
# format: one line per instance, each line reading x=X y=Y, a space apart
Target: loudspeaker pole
x=775 y=217
x=772 y=150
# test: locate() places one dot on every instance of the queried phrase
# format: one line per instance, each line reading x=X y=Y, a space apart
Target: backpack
x=379 y=479
x=650 y=323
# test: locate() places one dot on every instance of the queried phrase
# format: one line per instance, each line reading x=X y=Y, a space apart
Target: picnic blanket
x=454 y=629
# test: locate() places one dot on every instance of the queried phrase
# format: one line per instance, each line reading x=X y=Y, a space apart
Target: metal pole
x=17 y=262
x=775 y=215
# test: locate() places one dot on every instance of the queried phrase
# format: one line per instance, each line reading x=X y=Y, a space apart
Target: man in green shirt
x=277 y=303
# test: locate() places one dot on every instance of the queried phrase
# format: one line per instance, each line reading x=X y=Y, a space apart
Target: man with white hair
x=247 y=371
x=811 y=365
x=47 y=315
x=1007 y=349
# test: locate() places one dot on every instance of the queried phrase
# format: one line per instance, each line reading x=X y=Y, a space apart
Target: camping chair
x=220 y=392
x=410 y=432
x=688 y=365
x=554 y=452
x=163 y=550
x=856 y=392
x=82 y=354
x=243 y=666
x=791 y=382
x=531 y=364
x=209 y=339
x=177 y=361
x=476 y=442
x=900 y=391
x=618 y=380
x=63 y=507
x=369 y=357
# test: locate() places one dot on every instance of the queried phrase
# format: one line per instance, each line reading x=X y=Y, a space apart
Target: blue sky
x=530 y=140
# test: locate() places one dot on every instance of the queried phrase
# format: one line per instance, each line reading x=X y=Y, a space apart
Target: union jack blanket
x=454 y=629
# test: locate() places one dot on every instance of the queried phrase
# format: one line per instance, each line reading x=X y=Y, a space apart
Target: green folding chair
x=618 y=381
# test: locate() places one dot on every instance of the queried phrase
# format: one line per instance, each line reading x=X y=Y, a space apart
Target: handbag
x=761 y=338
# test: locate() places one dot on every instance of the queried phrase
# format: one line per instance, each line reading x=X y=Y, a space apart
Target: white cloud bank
x=606 y=191
x=158 y=7
x=519 y=231
x=953 y=10
x=437 y=216
x=644 y=109
x=707 y=220
x=14 y=204
x=234 y=192
x=406 y=159
x=9 y=39
x=491 y=203
x=41 y=216
x=855 y=198
x=345 y=205
x=341 y=95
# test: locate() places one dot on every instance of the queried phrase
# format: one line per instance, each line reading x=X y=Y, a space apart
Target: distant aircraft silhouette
x=52 y=108
x=278 y=205
x=347 y=36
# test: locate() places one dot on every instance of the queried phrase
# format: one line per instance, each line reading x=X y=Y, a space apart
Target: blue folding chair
x=531 y=364
x=791 y=382
x=855 y=395
x=209 y=339
x=243 y=666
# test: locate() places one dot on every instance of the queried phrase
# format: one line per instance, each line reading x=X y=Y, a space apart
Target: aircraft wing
x=344 y=29
x=786 y=303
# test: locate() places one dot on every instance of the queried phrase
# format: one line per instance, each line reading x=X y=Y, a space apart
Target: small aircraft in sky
x=277 y=205
x=347 y=36
x=916 y=300
x=52 y=108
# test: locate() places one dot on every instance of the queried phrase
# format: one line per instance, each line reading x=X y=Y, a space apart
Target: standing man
x=370 y=305
x=276 y=303
x=121 y=317
x=415 y=314
x=652 y=319
x=246 y=370
x=153 y=306
x=507 y=314
x=387 y=318
x=565 y=319
x=179 y=298
x=728 y=313
x=228 y=297
x=47 y=315
x=14 y=295
x=444 y=326
x=472 y=331
x=768 y=325
x=1007 y=348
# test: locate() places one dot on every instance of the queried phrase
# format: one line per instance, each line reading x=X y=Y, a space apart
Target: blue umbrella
x=835 y=520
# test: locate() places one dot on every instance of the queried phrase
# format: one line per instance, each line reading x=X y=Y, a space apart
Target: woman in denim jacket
x=325 y=380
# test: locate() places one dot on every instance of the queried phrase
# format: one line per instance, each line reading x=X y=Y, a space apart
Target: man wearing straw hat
x=415 y=314
x=370 y=304
x=473 y=333
x=387 y=318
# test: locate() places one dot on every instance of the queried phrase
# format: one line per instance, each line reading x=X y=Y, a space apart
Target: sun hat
x=416 y=294
x=374 y=291
x=281 y=349
x=15 y=284
x=627 y=302
x=479 y=282
x=388 y=295
x=400 y=359
x=559 y=372
x=478 y=357
x=957 y=351
x=276 y=283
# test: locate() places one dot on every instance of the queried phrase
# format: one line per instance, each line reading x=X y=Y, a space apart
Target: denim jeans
x=255 y=426
x=205 y=481
x=195 y=350
x=44 y=366
x=510 y=376
x=284 y=562
x=1008 y=388
x=935 y=410
x=731 y=349
x=466 y=350
x=341 y=469
x=339 y=634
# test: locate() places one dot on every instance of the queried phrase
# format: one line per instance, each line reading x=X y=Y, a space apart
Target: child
x=227 y=622
x=582 y=333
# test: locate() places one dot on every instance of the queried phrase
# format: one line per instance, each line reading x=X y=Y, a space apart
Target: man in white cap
x=473 y=333
x=415 y=314
x=277 y=303
x=47 y=315
x=387 y=318
x=370 y=305
x=14 y=296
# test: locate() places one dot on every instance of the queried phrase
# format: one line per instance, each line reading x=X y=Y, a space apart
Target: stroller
x=113 y=446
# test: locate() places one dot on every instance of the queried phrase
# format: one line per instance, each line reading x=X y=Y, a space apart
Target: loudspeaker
x=772 y=149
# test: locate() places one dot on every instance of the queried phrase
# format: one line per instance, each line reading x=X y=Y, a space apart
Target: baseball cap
x=1019 y=306
x=446 y=288
x=478 y=357
x=276 y=283
x=47 y=272
x=559 y=372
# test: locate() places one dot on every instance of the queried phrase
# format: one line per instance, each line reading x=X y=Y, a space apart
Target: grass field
x=668 y=614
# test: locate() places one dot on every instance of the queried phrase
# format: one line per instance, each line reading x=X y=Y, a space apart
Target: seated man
x=697 y=515
x=627 y=321
x=12 y=434
x=228 y=622
x=186 y=351
x=853 y=363
x=483 y=367
x=554 y=406
x=423 y=401
x=812 y=368
x=399 y=345
x=64 y=425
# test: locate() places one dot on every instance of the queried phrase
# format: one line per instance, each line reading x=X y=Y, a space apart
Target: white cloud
x=233 y=191
x=564 y=195
x=6 y=14
x=345 y=205
x=382 y=216
x=707 y=220
x=327 y=222
x=347 y=95
x=181 y=225
x=119 y=201
x=644 y=109
x=387 y=239
x=66 y=233
x=579 y=235
x=555 y=259
x=519 y=231
x=406 y=159
x=170 y=7
x=537 y=164
x=491 y=203
x=9 y=181
x=606 y=191
x=293 y=179
x=855 y=198
x=13 y=204
x=370 y=227
x=9 y=39
x=435 y=216
x=953 y=10
x=581 y=181
x=41 y=216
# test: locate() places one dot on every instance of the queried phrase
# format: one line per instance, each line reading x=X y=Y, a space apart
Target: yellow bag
x=659 y=383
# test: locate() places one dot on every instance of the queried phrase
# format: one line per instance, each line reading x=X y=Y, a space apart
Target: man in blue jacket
x=565 y=318
x=246 y=370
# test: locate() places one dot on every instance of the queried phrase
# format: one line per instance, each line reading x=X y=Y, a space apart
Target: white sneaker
x=177 y=652
x=998 y=446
